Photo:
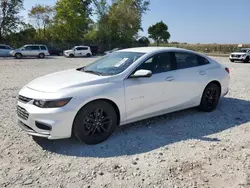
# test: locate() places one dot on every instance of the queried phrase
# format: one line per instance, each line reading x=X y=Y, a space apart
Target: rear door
x=44 y=50
x=190 y=79
x=84 y=51
x=35 y=50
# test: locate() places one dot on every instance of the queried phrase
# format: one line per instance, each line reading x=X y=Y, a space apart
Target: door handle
x=202 y=73
x=170 y=79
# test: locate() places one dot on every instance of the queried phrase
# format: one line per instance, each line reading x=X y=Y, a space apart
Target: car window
x=2 y=47
x=43 y=48
x=202 y=60
x=158 y=63
x=186 y=60
x=82 y=48
x=27 y=48
x=35 y=48
x=114 y=63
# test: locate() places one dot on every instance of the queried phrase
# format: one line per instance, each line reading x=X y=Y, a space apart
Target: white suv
x=242 y=54
x=78 y=51
x=31 y=50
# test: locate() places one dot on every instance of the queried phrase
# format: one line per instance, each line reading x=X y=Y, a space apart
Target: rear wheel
x=210 y=98
x=246 y=60
x=95 y=122
x=41 y=56
x=18 y=56
x=88 y=55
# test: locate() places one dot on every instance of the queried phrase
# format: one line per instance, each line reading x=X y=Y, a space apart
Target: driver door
x=149 y=96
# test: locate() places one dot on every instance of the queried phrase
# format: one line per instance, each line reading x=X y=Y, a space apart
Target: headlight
x=51 y=103
x=244 y=55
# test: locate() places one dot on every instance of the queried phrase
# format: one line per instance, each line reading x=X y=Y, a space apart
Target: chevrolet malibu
x=123 y=87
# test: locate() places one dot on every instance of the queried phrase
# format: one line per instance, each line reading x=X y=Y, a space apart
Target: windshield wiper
x=93 y=72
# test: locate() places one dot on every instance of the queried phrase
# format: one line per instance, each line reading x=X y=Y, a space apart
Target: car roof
x=34 y=45
x=4 y=45
x=81 y=46
x=153 y=49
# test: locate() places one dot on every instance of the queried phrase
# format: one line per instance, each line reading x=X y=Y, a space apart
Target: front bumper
x=238 y=58
x=51 y=123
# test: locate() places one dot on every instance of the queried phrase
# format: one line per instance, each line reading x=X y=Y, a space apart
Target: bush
x=207 y=48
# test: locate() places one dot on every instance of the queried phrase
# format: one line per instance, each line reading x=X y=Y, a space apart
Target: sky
x=193 y=21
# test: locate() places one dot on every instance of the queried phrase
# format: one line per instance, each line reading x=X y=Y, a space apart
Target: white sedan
x=123 y=87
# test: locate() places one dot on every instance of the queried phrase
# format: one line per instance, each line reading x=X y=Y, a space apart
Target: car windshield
x=113 y=64
x=242 y=50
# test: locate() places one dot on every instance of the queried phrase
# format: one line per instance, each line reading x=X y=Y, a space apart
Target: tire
x=232 y=60
x=88 y=55
x=92 y=128
x=246 y=60
x=71 y=55
x=41 y=56
x=210 y=98
x=18 y=55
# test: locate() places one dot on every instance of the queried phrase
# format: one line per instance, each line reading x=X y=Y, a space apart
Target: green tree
x=42 y=15
x=9 y=16
x=125 y=17
x=72 y=19
x=159 y=32
x=143 y=41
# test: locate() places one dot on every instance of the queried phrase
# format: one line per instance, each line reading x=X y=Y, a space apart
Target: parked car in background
x=111 y=51
x=5 y=50
x=78 y=51
x=55 y=51
x=94 y=50
x=123 y=87
x=31 y=50
x=242 y=54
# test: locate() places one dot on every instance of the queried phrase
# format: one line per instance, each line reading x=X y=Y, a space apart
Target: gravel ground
x=182 y=149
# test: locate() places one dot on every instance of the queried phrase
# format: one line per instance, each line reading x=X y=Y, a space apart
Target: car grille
x=22 y=113
x=238 y=56
x=24 y=99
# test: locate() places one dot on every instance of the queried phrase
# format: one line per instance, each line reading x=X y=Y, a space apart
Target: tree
x=125 y=18
x=143 y=41
x=9 y=19
x=159 y=32
x=72 y=19
x=42 y=14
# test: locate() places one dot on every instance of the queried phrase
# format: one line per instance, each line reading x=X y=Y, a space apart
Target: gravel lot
x=182 y=149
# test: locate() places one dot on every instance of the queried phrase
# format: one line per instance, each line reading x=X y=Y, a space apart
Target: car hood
x=65 y=80
x=239 y=53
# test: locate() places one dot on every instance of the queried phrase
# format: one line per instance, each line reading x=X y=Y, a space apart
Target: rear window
x=82 y=48
x=202 y=60
x=43 y=48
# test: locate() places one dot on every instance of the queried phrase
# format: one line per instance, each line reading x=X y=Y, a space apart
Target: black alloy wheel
x=95 y=122
x=210 y=97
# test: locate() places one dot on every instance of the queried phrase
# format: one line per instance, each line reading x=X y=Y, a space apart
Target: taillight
x=228 y=71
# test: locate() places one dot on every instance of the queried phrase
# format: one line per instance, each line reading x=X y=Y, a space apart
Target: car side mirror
x=142 y=74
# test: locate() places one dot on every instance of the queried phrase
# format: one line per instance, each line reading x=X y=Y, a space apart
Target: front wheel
x=95 y=122
x=18 y=56
x=232 y=60
x=210 y=98
x=246 y=60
